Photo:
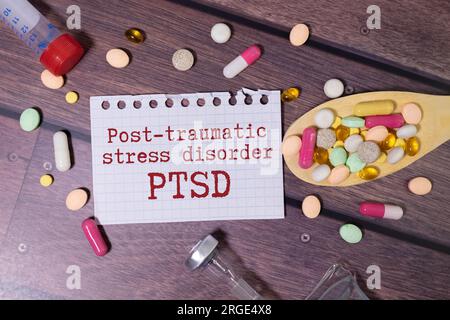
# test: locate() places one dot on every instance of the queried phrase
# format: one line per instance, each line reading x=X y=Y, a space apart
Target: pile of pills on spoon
x=356 y=144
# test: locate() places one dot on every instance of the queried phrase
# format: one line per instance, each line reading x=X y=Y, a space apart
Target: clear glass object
x=206 y=255
x=338 y=283
x=57 y=52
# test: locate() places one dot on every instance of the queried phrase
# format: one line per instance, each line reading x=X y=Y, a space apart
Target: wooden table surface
x=41 y=239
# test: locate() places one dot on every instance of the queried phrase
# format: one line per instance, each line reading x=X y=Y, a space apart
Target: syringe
x=59 y=53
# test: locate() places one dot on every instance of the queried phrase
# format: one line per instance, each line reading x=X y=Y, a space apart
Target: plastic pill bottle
x=58 y=52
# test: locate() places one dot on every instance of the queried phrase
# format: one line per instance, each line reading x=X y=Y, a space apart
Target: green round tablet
x=338 y=156
x=350 y=233
x=30 y=119
x=354 y=163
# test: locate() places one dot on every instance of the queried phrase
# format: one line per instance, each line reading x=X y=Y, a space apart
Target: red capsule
x=380 y=210
x=94 y=236
x=395 y=120
x=306 y=155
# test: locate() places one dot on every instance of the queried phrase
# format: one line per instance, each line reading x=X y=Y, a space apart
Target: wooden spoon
x=433 y=130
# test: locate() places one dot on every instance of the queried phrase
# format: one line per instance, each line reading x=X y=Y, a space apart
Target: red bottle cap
x=62 y=54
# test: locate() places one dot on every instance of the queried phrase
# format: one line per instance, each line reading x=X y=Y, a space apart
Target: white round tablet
x=321 y=172
x=220 y=33
x=352 y=143
x=324 y=118
x=333 y=88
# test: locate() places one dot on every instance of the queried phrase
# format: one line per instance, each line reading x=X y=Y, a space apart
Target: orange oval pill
x=411 y=113
x=420 y=186
x=377 y=133
x=338 y=174
x=311 y=206
x=291 y=146
x=299 y=34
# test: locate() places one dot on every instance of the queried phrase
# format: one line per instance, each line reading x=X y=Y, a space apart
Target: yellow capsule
x=337 y=122
x=382 y=158
x=400 y=143
x=412 y=146
x=388 y=142
x=135 y=35
x=342 y=133
x=363 y=134
x=290 y=94
x=369 y=173
x=371 y=108
x=320 y=155
x=354 y=131
x=338 y=144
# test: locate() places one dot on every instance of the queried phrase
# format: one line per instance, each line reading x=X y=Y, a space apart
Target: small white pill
x=321 y=172
x=62 y=151
x=333 y=88
x=324 y=118
x=407 y=131
x=220 y=33
x=352 y=143
x=395 y=155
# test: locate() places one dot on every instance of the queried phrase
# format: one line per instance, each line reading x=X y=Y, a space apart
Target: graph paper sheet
x=187 y=157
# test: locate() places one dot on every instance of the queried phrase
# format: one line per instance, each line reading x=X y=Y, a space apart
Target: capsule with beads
x=342 y=133
x=290 y=94
x=320 y=155
x=412 y=146
x=388 y=142
x=369 y=173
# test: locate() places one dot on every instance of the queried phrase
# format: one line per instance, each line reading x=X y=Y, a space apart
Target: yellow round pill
x=46 y=180
x=71 y=97
x=354 y=131
x=382 y=158
x=337 y=122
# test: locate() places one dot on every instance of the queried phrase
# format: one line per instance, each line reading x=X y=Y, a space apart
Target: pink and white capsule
x=241 y=62
x=306 y=156
x=380 y=210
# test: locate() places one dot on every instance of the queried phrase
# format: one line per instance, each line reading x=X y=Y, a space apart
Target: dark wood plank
x=137 y=265
x=146 y=261
x=412 y=36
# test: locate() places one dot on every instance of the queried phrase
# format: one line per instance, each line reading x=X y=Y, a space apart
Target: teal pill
x=354 y=163
x=353 y=122
x=30 y=119
x=350 y=233
x=338 y=156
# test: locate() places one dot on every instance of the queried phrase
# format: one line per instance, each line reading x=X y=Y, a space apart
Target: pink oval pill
x=338 y=174
x=377 y=133
x=411 y=113
x=305 y=159
x=380 y=210
x=291 y=146
x=94 y=236
x=389 y=121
